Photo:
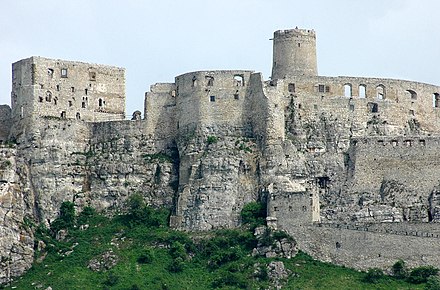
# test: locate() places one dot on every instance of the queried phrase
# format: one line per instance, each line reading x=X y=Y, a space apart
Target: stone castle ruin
x=346 y=165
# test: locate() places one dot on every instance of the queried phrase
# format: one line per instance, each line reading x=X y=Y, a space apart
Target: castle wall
x=361 y=249
x=5 y=122
x=160 y=111
x=212 y=99
x=398 y=104
x=66 y=90
x=411 y=161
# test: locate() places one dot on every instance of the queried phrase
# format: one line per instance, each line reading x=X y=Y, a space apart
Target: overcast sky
x=158 y=40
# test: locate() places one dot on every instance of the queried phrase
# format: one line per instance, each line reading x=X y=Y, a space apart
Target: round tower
x=294 y=53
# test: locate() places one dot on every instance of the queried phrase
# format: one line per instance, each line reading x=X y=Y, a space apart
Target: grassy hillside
x=138 y=251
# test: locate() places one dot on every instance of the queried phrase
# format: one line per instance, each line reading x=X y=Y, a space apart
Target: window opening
x=92 y=76
x=238 y=80
x=362 y=91
x=347 y=90
x=321 y=88
x=380 y=92
x=209 y=81
x=63 y=115
x=212 y=98
x=413 y=94
x=436 y=100
x=64 y=72
x=100 y=103
x=78 y=116
x=291 y=88
x=48 y=96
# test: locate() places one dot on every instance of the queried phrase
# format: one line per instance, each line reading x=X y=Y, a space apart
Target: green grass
x=209 y=259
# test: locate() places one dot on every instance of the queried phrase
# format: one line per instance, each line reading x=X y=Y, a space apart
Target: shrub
x=253 y=213
x=177 y=250
x=177 y=265
x=112 y=279
x=146 y=257
x=433 y=283
x=373 y=275
x=86 y=214
x=140 y=213
x=421 y=274
x=399 y=270
x=66 y=218
x=225 y=256
x=229 y=279
x=211 y=140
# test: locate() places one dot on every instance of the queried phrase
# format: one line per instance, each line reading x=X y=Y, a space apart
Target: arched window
x=412 y=94
x=436 y=100
x=348 y=91
x=362 y=91
x=194 y=81
x=238 y=80
x=100 y=103
x=380 y=92
x=63 y=115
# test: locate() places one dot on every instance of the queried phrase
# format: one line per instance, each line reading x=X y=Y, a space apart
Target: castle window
x=83 y=105
x=78 y=116
x=50 y=72
x=436 y=100
x=209 y=81
x=63 y=115
x=408 y=143
x=48 y=96
x=212 y=98
x=413 y=94
x=86 y=91
x=422 y=142
x=41 y=86
x=100 y=104
x=55 y=100
x=236 y=96
x=21 y=112
x=70 y=103
x=275 y=208
x=92 y=76
x=299 y=44
x=291 y=88
x=362 y=91
x=380 y=92
x=373 y=107
x=327 y=89
x=58 y=87
x=238 y=80
x=347 y=90
x=299 y=106
x=351 y=107
x=394 y=143
x=40 y=99
x=72 y=89
x=321 y=88
x=411 y=113
x=64 y=72
x=315 y=107
x=194 y=81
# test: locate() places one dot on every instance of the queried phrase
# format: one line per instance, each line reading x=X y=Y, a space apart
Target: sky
x=158 y=40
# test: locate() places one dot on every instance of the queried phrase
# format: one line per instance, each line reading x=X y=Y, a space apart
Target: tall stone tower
x=294 y=53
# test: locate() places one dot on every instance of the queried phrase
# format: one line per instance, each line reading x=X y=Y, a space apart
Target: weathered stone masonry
x=346 y=165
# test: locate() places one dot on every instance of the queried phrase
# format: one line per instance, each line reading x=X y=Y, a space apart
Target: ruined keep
x=346 y=165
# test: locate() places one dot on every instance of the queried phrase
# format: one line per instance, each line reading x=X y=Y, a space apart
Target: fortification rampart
x=362 y=249
x=405 y=159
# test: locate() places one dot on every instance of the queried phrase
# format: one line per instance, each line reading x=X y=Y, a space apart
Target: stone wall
x=5 y=122
x=361 y=249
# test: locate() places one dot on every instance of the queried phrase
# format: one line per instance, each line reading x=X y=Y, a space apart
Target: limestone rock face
x=218 y=175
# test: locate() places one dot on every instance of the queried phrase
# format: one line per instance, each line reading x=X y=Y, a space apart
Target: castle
x=346 y=165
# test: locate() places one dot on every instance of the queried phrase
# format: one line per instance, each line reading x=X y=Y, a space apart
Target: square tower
x=43 y=87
